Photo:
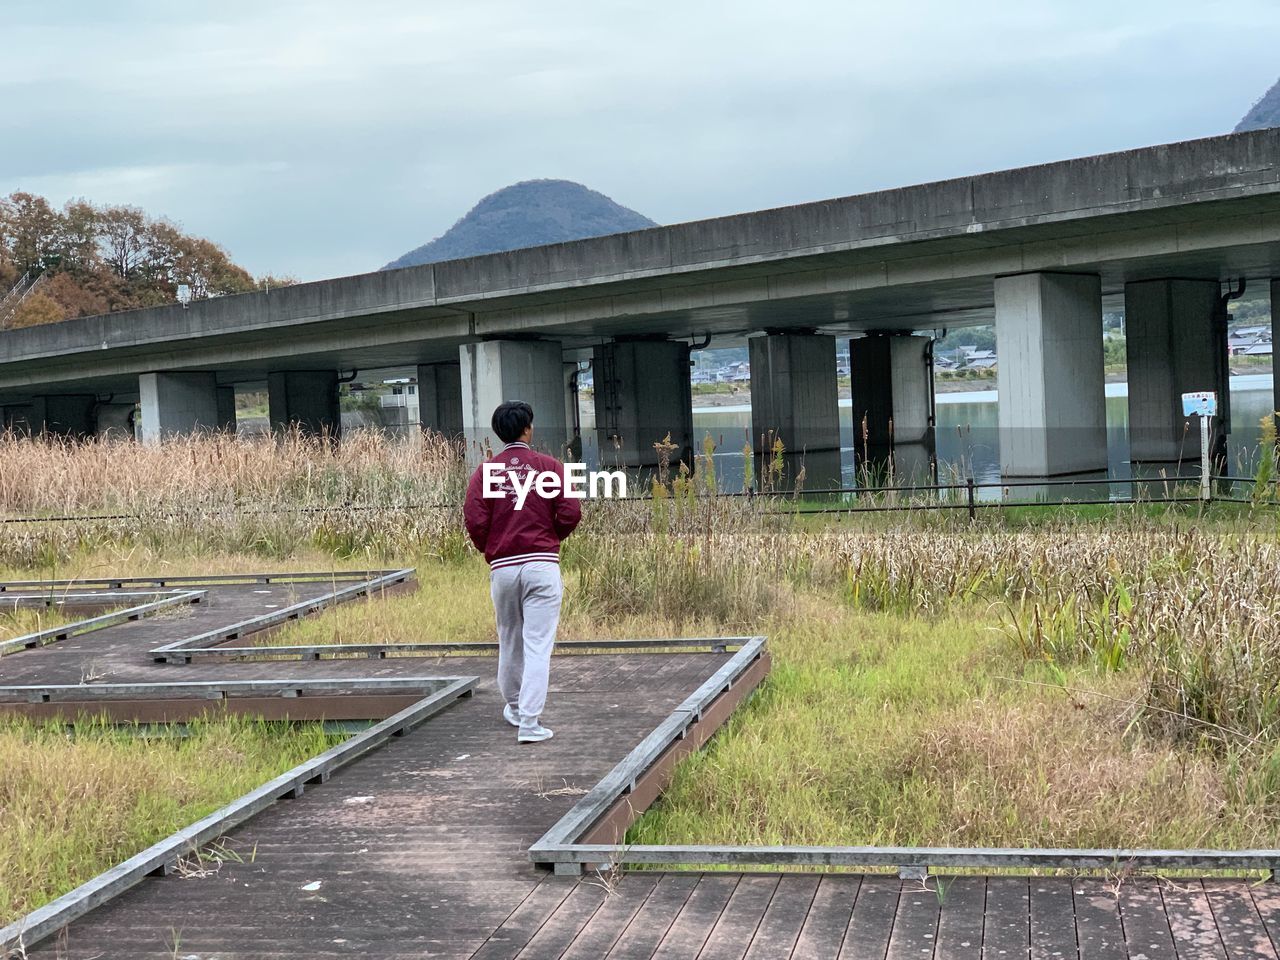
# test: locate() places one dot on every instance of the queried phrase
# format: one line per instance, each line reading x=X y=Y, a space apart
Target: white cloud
x=321 y=138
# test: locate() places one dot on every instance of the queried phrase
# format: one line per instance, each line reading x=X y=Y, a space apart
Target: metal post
x=973 y=511
x=1204 y=458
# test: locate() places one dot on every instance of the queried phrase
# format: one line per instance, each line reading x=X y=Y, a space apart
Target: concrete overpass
x=1036 y=249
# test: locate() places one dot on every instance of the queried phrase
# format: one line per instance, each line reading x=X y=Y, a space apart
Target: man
x=518 y=526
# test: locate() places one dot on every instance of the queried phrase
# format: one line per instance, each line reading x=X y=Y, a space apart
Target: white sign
x=515 y=483
x=1203 y=403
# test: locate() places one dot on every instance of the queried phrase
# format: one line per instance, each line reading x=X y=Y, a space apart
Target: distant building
x=1249 y=342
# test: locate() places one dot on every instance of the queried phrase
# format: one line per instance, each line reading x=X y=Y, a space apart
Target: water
x=968 y=443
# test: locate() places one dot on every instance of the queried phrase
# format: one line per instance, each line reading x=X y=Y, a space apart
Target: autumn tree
x=102 y=259
x=37 y=309
x=31 y=230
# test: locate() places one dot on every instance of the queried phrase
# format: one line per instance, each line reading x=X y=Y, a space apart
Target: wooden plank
x=780 y=928
x=1146 y=925
x=824 y=928
x=1098 y=929
x=872 y=922
x=526 y=920
x=1053 y=919
x=731 y=936
x=964 y=902
x=563 y=926
x=915 y=929
x=654 y=918
x=1266 y=899
x=605 y=927
x=1239 y=924
x=697 y=917
x=1191 y=921
x=422 y=845
x=1006 y=932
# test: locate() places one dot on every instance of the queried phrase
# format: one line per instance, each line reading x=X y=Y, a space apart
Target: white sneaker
x=511 y=714
x=534 y=734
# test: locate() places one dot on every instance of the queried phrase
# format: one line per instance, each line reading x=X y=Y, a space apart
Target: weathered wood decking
x=420 y=849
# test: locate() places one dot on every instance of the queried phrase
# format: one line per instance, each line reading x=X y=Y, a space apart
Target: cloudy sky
x=325 y=138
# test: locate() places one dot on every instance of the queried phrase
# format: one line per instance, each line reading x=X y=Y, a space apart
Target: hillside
x=527 y=214
x=1264 y=113
x=87 y=259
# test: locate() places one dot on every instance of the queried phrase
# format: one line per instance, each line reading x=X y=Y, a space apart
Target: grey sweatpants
x=526 y=600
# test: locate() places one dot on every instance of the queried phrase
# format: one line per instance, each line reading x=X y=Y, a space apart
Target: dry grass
x=216 y=471
x=925 y=665
x=369 y=497
x=72 y=805
x=24 y=620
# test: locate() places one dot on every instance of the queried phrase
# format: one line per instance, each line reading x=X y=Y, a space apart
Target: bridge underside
x=919 y=260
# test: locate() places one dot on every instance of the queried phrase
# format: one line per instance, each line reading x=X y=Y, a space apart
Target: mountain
x=527 y=214
x=1265 y=113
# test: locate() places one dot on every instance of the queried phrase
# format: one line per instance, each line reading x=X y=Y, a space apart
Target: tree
x=78 y=238
x=31 y=229
x=208 y=270
x=122 y=233
x=77 y=296
x=103 y=259
x=35 y=310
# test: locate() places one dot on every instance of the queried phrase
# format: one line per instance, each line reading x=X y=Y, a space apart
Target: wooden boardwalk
x=420 y=850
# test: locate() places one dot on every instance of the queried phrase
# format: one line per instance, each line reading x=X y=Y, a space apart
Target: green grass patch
x=890 y=730
x=74 y=802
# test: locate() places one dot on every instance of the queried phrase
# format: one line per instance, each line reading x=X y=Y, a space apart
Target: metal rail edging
x=78 y=627
x=622 y=779
x=161 y=857
x=175 y=651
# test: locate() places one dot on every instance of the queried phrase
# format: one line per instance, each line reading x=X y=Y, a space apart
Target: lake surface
x=968 y=442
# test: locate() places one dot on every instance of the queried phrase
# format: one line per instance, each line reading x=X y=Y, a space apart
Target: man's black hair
x=511 y=419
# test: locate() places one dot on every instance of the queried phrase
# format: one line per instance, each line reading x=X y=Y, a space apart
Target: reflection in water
x=968 y=444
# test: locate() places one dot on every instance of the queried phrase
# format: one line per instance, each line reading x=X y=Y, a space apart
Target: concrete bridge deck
x=419 y=849
x=1036 y=250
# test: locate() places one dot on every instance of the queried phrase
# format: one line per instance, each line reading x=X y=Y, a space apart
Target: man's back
x=509 y=517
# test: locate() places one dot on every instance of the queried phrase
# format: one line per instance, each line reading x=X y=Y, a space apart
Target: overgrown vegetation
x=368 y=498
x=923 y=662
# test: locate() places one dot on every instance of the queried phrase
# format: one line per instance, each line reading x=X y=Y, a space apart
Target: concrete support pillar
x=440 y=398
x=794 y=395
x=1172 y=348
x=1052 y=405
x=306 y=400
x=63 y=415
x=177 y=404
x=495 y=371
x=117 y=420
x=892 y=391
x=642 y=394
x=227 y=408
x=1275 y=344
